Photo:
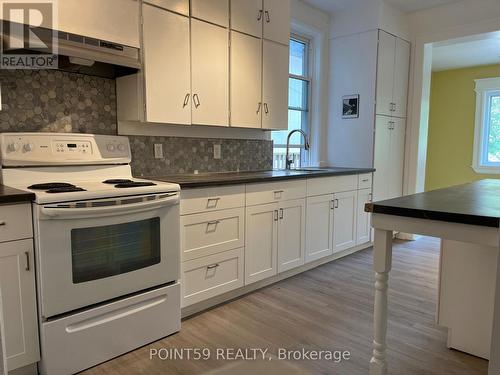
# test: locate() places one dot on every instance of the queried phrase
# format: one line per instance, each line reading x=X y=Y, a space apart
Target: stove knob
x=13 y=147
x=121 y=147
x=28 y=147
x=111 y=147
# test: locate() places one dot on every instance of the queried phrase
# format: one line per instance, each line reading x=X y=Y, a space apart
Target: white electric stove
x=106 y=246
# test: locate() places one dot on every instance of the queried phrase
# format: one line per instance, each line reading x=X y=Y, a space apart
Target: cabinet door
x=397 y=156
x=246 y=81
x=319 y=230
x=178 y=6
x=385 y=73
x=209 y=74
x=111 y=20
x=261 y=242
x=363 y=228
x=382 y=157
x=214 y=11
x=291 y=234
x=17 y=280
x=344 y=220
x=401 y=77
x=275 y=86
x=247 y=16
x=166 y=66
x=277 y=20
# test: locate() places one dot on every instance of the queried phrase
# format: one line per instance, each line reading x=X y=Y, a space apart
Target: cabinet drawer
x=15 y=222
x=211 y=199
x=270 y=192
x=212 y=275
x=365 y=181
x=328 y=185
x=212 y=232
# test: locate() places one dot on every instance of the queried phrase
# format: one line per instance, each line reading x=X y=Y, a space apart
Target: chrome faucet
x=289 y=162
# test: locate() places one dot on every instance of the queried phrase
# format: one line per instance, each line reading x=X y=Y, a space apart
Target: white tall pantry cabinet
x=390 y=115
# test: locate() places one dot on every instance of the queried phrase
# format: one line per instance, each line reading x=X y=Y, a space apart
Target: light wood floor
x=327 y=308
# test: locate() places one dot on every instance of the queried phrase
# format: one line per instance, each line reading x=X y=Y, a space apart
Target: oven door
x=91 y=252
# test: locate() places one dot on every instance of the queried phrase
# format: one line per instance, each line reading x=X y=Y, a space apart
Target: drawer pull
x=213 y=266
x=281 y=213
x=278 y=191
x=365 y=180
x=212 y=202
x=213 y=222
x=2 y=223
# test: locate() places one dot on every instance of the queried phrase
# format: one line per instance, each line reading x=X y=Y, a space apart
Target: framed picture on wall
x=350 y=106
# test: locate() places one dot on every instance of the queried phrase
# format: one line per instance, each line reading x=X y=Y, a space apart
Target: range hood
x=77 y=53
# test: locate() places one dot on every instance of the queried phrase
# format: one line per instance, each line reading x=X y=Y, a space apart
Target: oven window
x=101 y=252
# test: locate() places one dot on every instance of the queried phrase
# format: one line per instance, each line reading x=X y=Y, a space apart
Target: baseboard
x=26 y=370
x=233 y=294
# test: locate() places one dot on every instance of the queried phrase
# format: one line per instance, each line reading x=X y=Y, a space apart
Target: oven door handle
x=55 y=212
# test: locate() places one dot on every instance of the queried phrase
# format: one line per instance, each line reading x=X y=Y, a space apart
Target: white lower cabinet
x=261 y=242
x=319 y=224
x=210 y=276
x=363 y=227
x=344 y=220
x=17 y=281
x=291 y=234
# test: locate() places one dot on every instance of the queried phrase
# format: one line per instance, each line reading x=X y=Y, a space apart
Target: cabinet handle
x=336 y=204
x=259 y=107
x=259 y=16
x=332 y=204
x=212 y=266
x=215 y=201
x=196 y=100
x=365 y=180
x=27 y=254
x=370 y=197
x=266 y=108
x=2 y=223
x=186 y=100
x=275 y=215
x=268 y=19
x=213 y=222
x=281 y=213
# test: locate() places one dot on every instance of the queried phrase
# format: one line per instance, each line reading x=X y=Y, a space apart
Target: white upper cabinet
x=401 y=77
x=385 y=73
x=178 y=6
x=209 y=74
x=112 y=20
x=275 y=86
x=214 y=11
x=392 y=75
x=277 y=20
x=166 y=66
x=246 y=81
x=247 y=16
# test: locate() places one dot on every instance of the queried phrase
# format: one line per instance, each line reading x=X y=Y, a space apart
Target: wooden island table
x=467 y=213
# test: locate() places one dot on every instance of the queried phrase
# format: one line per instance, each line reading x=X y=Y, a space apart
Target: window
x=298 y=105
x=486 y=158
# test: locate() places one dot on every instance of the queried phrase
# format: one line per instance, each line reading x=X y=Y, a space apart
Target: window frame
x=485 y=88
x=305 y=113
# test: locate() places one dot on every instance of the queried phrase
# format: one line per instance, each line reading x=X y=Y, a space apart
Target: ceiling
x=332 y=6
x=461 y=53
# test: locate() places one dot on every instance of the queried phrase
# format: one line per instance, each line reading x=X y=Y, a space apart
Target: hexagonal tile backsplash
x=57 y=101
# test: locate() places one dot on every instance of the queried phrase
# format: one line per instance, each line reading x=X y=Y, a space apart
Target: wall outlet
x=158 y=151
x=217 y=152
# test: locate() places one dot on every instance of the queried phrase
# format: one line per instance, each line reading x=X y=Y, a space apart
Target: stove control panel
x=25 y=149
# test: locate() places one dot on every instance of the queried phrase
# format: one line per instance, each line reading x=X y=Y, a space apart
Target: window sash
x=485 y=134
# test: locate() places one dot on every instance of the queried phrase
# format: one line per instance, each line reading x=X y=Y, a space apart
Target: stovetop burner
x=115 y=181
x=64 y=189
x=51 y=185
x=132 y=184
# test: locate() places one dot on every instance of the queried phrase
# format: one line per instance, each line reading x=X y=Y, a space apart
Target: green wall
x=451 y=126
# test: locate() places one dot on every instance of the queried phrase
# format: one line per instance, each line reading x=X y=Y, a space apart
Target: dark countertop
x=11 y=195
x=477 y=203
x=187 y=181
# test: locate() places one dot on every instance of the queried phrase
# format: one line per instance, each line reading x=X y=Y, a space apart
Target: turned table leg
x=382 y=260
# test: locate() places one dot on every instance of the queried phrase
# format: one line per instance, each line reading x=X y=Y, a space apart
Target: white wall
x=353 y=61
x=455 y=20
x=315 y=25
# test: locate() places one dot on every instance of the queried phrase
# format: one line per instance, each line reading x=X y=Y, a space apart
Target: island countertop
x=187 y=181
x=476 y=203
